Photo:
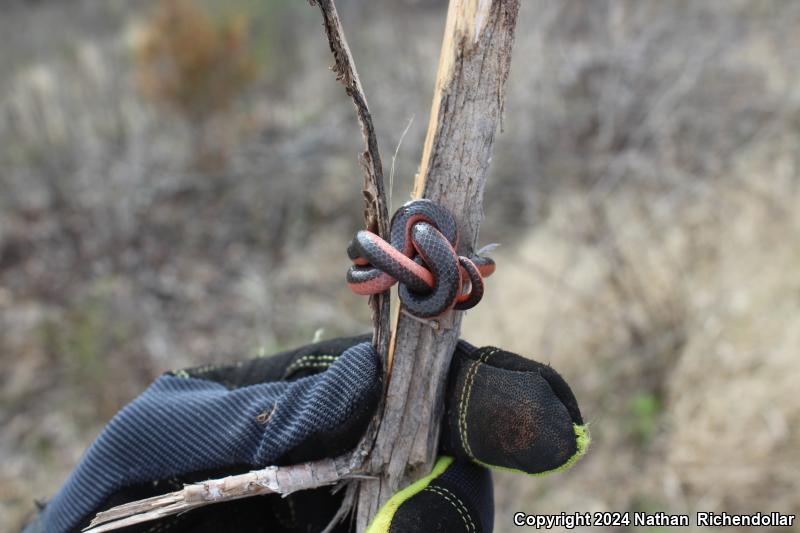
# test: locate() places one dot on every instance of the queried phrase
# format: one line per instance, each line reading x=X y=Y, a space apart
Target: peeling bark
x=466 y=113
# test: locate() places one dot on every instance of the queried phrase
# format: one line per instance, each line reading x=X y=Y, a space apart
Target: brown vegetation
x=197 y=66
x=644 y=191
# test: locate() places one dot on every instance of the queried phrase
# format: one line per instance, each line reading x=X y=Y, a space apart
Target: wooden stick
x=271 y=480
x=466 y=112
x=376 y=217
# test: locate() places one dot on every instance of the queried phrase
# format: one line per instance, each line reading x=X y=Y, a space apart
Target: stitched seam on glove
x=583 y=439
x=457 y=503
x=199 y=371
x=463 y=404
x=307 y=360
x=313 y=365
x=306 y=366
x=383 y=520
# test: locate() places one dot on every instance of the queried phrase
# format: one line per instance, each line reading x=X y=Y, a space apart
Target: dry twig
x=376 y=217
x=271 y=480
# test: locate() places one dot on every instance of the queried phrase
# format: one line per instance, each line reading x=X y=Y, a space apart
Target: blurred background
x=179 y=179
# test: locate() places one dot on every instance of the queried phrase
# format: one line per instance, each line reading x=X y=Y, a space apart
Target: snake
x=421 y=255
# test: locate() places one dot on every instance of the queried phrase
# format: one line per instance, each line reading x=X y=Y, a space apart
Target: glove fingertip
x=562 y=392
x=511 y=413
x=583 y=438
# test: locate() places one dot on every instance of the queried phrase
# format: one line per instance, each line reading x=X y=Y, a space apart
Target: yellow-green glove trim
x=583 y=439
x=383 y=520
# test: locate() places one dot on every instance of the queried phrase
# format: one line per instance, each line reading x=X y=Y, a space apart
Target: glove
x=504 y=412
x=311 y=403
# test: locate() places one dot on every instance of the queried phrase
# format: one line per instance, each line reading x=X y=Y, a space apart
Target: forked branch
x=402 y=441
x=465 y=115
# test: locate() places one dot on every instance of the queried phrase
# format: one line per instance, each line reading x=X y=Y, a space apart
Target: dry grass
x=644 y=191
x=691 y=404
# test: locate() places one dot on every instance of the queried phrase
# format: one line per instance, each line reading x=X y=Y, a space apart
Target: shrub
x=195 y=65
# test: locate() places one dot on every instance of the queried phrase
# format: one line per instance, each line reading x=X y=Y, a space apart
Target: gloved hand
x=503 y=411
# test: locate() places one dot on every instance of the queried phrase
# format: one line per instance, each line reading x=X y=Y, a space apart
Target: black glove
x=307 y=404
x=503 y=411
